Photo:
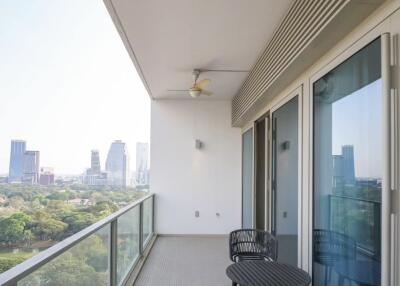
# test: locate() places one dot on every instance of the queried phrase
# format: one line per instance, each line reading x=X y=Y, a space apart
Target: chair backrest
x=330 y=246
x=252 y=244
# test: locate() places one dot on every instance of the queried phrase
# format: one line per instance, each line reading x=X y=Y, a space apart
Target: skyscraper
x=117 y=164
x=348 y=165
x=95 y=162
x=31 y=167
x=338 y=178
x=142 y=169
x=16 y=168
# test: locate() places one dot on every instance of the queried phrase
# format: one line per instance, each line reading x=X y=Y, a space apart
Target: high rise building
x=16 y=168
x=338 y=178
x=95 y=162
x=93 y=175
x=142 y=168
x=31 y=167
x=117 y=164
x=348 y=165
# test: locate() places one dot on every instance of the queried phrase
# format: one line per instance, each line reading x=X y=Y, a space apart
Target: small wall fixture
x=198 y=144
x=285 y=145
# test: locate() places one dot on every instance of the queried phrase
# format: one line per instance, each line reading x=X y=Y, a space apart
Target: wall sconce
x=198 y=144
x=285 y=145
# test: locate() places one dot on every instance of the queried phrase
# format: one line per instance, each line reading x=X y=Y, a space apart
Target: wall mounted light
x=198 y=144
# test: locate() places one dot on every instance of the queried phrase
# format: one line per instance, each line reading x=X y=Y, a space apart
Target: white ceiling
x=169 y=38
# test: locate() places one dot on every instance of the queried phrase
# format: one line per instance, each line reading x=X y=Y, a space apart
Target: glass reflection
x=348 y=172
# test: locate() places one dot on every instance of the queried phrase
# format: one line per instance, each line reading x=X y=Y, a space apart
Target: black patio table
x=266 y=273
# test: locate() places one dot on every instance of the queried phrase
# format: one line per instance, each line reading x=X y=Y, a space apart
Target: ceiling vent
x=309 y=29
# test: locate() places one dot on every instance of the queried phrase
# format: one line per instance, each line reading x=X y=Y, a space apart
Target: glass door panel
x=285 y=122
x=348 y=160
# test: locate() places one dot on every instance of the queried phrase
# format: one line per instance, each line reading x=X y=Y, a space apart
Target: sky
x=67 y=84
x=357 y=121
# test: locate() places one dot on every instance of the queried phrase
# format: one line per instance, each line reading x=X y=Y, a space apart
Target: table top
x=267 y=273
x=365 y=272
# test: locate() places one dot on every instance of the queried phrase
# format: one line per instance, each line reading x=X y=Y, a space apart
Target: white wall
x=185 y=179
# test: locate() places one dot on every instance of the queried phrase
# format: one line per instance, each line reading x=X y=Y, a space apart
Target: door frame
x=299 y=93
x=266 y=118
x=244 y=130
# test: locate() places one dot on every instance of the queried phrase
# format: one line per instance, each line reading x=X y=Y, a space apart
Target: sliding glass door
x=285 y=189
x=348 y=170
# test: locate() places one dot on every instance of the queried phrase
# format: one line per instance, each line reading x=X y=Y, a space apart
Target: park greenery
x=34 y=217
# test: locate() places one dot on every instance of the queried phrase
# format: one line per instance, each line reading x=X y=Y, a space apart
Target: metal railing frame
x=12 y=276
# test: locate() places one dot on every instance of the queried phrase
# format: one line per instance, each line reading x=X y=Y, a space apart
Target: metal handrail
x=356 y=199
x=15 y=274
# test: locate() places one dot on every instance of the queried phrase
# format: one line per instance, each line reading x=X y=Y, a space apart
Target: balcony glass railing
x=359 y=219
x=105 y=253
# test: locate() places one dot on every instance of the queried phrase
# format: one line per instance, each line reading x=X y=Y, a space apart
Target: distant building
x=338 y=177
x=348 y=165
x=343 y=168
x=79 y=202
x=93 y=175
x=142 y=167
x=46 y=176
x=95 y=179
x=31 y=167
x=16 y=168
x=117 y=164
x=95 y=162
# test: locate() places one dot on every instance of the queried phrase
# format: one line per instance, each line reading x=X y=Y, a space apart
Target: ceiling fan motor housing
x=194 y=92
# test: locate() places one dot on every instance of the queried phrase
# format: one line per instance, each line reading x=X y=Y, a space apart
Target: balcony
x=123 y=249
x=300 y=138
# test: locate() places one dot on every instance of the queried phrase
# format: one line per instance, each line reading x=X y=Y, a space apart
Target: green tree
x=14 y=229
x=46 y=227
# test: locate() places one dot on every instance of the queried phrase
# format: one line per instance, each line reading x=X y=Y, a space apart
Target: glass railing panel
x=128 y=242
x=85 y=264
x=147 y=220
x=359 y=219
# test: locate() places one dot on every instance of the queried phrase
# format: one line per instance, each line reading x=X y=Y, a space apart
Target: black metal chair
x=331 y=247
x=252 y=244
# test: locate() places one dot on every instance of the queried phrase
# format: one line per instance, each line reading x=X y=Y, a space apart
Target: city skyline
x=68 y=88
x=95 y=160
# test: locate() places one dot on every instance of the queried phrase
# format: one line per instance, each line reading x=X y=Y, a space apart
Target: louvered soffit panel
x=304 y=21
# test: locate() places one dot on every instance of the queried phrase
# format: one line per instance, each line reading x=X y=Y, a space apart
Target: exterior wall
x=384 y=20
x=186 y=179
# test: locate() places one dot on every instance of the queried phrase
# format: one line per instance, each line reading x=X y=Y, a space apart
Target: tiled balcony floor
x=184 y=261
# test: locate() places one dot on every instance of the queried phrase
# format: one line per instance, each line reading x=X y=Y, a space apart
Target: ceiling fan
x=197 y=88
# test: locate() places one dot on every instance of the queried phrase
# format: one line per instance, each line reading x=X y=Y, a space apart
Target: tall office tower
x=16 y=168
x=31 y=167
x=95 y=162
x=348 y=165
x=142 y=157
x=117 y=164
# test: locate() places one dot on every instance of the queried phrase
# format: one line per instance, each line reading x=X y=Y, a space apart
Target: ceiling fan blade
x=182 y=90
x=201 y=84
x=206 y=92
